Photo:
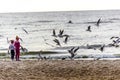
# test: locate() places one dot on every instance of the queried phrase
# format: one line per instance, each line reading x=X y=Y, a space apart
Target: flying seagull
x=66 y=39
x=70 y=21
x=102 y=48
x=7 y=40
x=57 y=42
x=54 y=33
x=60 y=33
x=98 y=22
x=89 y=29
x=72 y=51
x=113 y=37
x=25 y=30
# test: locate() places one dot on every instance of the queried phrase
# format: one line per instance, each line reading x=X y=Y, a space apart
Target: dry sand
x=60 y=70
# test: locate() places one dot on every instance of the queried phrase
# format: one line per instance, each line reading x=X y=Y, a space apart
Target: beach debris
x=57 y=42
x=98 y=22
x=25 y=30
x=72 y=51
x=89 y=29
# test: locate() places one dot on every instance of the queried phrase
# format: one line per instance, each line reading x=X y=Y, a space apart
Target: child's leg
x=17 y=55
x=12 y=52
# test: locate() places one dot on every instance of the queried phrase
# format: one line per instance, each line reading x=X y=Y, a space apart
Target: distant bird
x=44 y=38
x=7 y=40
x=54 y=33
x=57 y=41
x=25 y=30
x=24 y=49
x=15 y=28
x=60 y=33
x=113 y=37
x=65 y=35
x=21 y=39
x=102 y=48
x=116 y=42
x=72 y=51
x=63 y=58
x=98 y=22
x=66 y=39
x=44 y=58
x=98 y=58
x=70 y=21
x=89 y=29
x=49 y=44
x=39 y=56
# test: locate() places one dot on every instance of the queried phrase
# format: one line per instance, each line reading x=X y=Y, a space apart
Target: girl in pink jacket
x=17 y=48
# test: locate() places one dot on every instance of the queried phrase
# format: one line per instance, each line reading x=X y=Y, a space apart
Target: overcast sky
x=56 y=5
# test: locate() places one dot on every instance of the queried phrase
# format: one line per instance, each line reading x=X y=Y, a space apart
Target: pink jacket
x=17 y=45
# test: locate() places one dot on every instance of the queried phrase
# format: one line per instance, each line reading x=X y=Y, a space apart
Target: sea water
x=40 y=25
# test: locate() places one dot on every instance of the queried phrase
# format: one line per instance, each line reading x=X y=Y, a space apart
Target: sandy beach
x=60 y=70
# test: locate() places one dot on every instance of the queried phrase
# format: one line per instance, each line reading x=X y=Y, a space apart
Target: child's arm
x=8 y=50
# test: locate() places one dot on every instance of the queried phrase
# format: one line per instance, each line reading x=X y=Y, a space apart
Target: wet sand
x=60 y=70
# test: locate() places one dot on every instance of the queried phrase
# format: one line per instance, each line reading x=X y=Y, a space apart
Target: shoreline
x=60 y=70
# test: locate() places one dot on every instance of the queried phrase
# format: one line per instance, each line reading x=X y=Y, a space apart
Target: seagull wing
x=54 y=33
x=25 y=30
x=76 y=49
x=57 y=41
x=66 y=39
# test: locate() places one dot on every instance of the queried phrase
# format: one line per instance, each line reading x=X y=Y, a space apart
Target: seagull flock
x=65 y=37
x=73 y=50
